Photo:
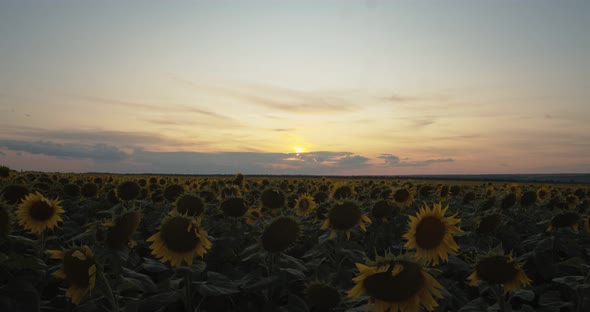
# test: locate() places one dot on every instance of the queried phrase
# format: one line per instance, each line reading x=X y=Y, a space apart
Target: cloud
x=164 y=108
x=98 y=152
x=391 y=160
x=278 y=98
x=139 y=160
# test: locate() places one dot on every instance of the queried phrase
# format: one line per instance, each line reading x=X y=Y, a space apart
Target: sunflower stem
x=110 y=294
x=188 y=300
x=504 y=306
x=42 y=243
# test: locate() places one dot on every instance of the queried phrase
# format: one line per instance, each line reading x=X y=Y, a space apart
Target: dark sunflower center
x=384 y=286
x=345 y=215
x=234 y=207
x=401 y=196
x=430 y=232
x=542 y=194
x=76 y=270
x=303 y=205
x=496 y=270
x=322 y=297
x=176 y=237
x=280 y=234
x=41 y=210
x=190 y=204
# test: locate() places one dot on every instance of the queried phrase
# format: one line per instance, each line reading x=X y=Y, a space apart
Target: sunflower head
x=230 y=191
x=179 y=240
x=304 y=205
x=78 y=270
x=342 y=190
x=431 y=234
x=190 y=204
x=344 y=216
x=321 y=296
x=497 y=268
x=404 y=196
x=528 y=198
x=272 y=199
x=396 y=283
x=89 y=190
x=443 y=192
x=508 y=201
x=543 y=193
x=4 y=172
x=120 y=233
x=37 y=213
x=383 y=209
x=14 y=193
x=128 y=190
x=489 y=222
x=253 y=215
x=565 y=219
x=172 y=192
x=280 y=234
x=234 y=207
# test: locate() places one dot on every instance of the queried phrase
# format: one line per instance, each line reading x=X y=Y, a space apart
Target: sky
x=295 y=87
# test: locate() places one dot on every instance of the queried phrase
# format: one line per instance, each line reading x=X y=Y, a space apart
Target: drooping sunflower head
x=4 y=172
x=565 y=219
x=128 y=190
x=304 y=205
x=280 y=234
x=230 y=191
x=120 y=234
x=404 y=196
x=528 y=198
x=78 y=270
x=37 y=213
x=383 y=209
x=89 y=190
x=14 y=193
x=190 y=204
x=343 y=216
x=234 y=207
x=342 y=190
x=508 y=201
x=321 y=296
x=497 y=268
x=172 y=192
x=5 y=220
x=396 y=284
x=272 y=199
x=179 y=240
x=431 y=234
x=443 y=192
x=489 y=222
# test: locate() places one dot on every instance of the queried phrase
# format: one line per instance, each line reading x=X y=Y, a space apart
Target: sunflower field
x=83 y=242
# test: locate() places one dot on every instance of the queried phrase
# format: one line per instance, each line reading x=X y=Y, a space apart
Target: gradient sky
x=281 y=87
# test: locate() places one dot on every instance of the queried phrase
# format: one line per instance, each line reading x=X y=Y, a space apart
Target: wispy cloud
x=391 y=160
x=97 y=152
x=277 y=98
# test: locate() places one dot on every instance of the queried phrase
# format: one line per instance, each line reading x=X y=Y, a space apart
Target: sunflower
x=342 y=190
x=37 y=214
x=321 y=296
x=396 y=284
x=78 y=269
x=190 y=204
x=543 y=193
x=280 y=234
x=304 y=205
x=443 y=192
x=253 y=215
x=343 y=217
x=499 y=269
x=120 y=233
x=431 y=234
x=180 y=238
x=572 y=201
x=234 y=207
x=587 y=224
x=565 y=219
x=404 y=196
